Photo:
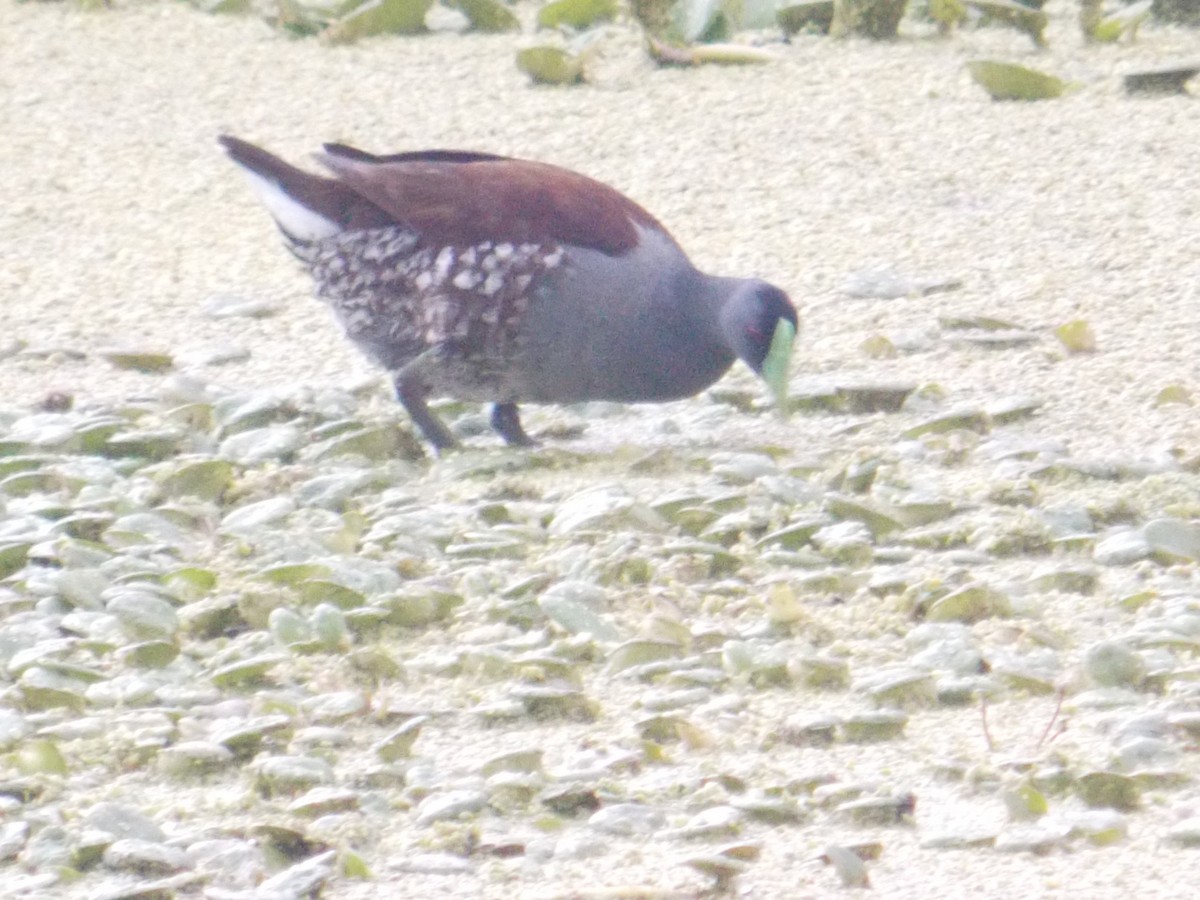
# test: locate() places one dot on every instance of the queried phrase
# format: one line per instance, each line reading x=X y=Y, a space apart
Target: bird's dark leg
x=411 y=392
x=506 y=419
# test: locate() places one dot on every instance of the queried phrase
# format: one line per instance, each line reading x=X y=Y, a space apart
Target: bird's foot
x=411 y=395
x=506 y=420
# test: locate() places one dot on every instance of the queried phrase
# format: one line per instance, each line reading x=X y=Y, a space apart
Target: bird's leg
x=506 y=420
x=411 y=392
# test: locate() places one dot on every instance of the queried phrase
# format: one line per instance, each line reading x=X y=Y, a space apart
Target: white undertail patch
x=293 y=217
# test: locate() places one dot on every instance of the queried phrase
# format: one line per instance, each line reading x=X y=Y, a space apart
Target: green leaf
x=293 y=18
x=947 y=13
x=12 y=556
x=1076 y=336
x=779 y=357
x=207 y=479
x=818 y=14
x=1008 y=81
x=730 y=54
x=40 y=757
x=550 y=65
x=379 y=17
x=1024 y=803
x=354 y=866
x=576 y=13
x=149 y=361
x=1174 y=393
x=1126 y=21
x=229 y=7
x=488 y=16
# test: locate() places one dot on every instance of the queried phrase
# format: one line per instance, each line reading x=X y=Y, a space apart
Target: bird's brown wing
x=327 y=197
x=457 y=198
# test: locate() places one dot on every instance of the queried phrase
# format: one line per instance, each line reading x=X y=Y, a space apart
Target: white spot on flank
x=494 y=282
x=423 y=281
x=504 y=251
x=356 y=322
x=445 y=260
x=465 y=280
x=293 y=217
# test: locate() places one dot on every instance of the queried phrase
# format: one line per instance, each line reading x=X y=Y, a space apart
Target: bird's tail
x=306 y=207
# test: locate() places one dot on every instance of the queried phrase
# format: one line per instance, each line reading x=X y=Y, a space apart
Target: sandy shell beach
x=123 y=225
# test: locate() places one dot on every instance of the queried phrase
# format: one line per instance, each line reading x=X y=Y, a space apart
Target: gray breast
x=640 y=327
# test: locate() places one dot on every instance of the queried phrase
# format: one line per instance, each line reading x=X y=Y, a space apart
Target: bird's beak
x=779 y=358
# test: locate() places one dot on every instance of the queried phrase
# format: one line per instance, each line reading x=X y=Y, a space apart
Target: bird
x=494 y=279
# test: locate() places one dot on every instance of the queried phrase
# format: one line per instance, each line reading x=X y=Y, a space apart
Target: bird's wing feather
x=454 y=198
x=277 y=182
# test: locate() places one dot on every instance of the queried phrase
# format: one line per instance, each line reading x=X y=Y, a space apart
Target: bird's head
x=760 y=323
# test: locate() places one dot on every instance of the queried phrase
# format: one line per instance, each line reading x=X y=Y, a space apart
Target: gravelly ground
x=121 y=220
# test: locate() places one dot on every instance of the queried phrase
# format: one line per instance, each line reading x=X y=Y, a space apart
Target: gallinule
x=485 y=278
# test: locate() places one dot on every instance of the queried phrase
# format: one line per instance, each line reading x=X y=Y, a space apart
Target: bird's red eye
x=753 y=333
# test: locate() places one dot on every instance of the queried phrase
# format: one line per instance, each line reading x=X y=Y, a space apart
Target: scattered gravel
x=942 y=621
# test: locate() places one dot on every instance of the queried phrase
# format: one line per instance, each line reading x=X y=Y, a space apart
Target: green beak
x=775 y=366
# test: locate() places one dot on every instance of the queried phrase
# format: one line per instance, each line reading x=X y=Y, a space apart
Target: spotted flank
x=387 y=290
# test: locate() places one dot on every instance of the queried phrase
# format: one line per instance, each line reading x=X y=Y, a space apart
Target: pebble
x=123 y=822
x=230 y=863
x=435 y=864
x=144 y=857
x=1121 y=548
x=627 y=819
x=232 y=306
x=12 y=838
x=450 y=805
x=1185 y=833
x=1114 y=663
x=1035 y=839
x=717 y=821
